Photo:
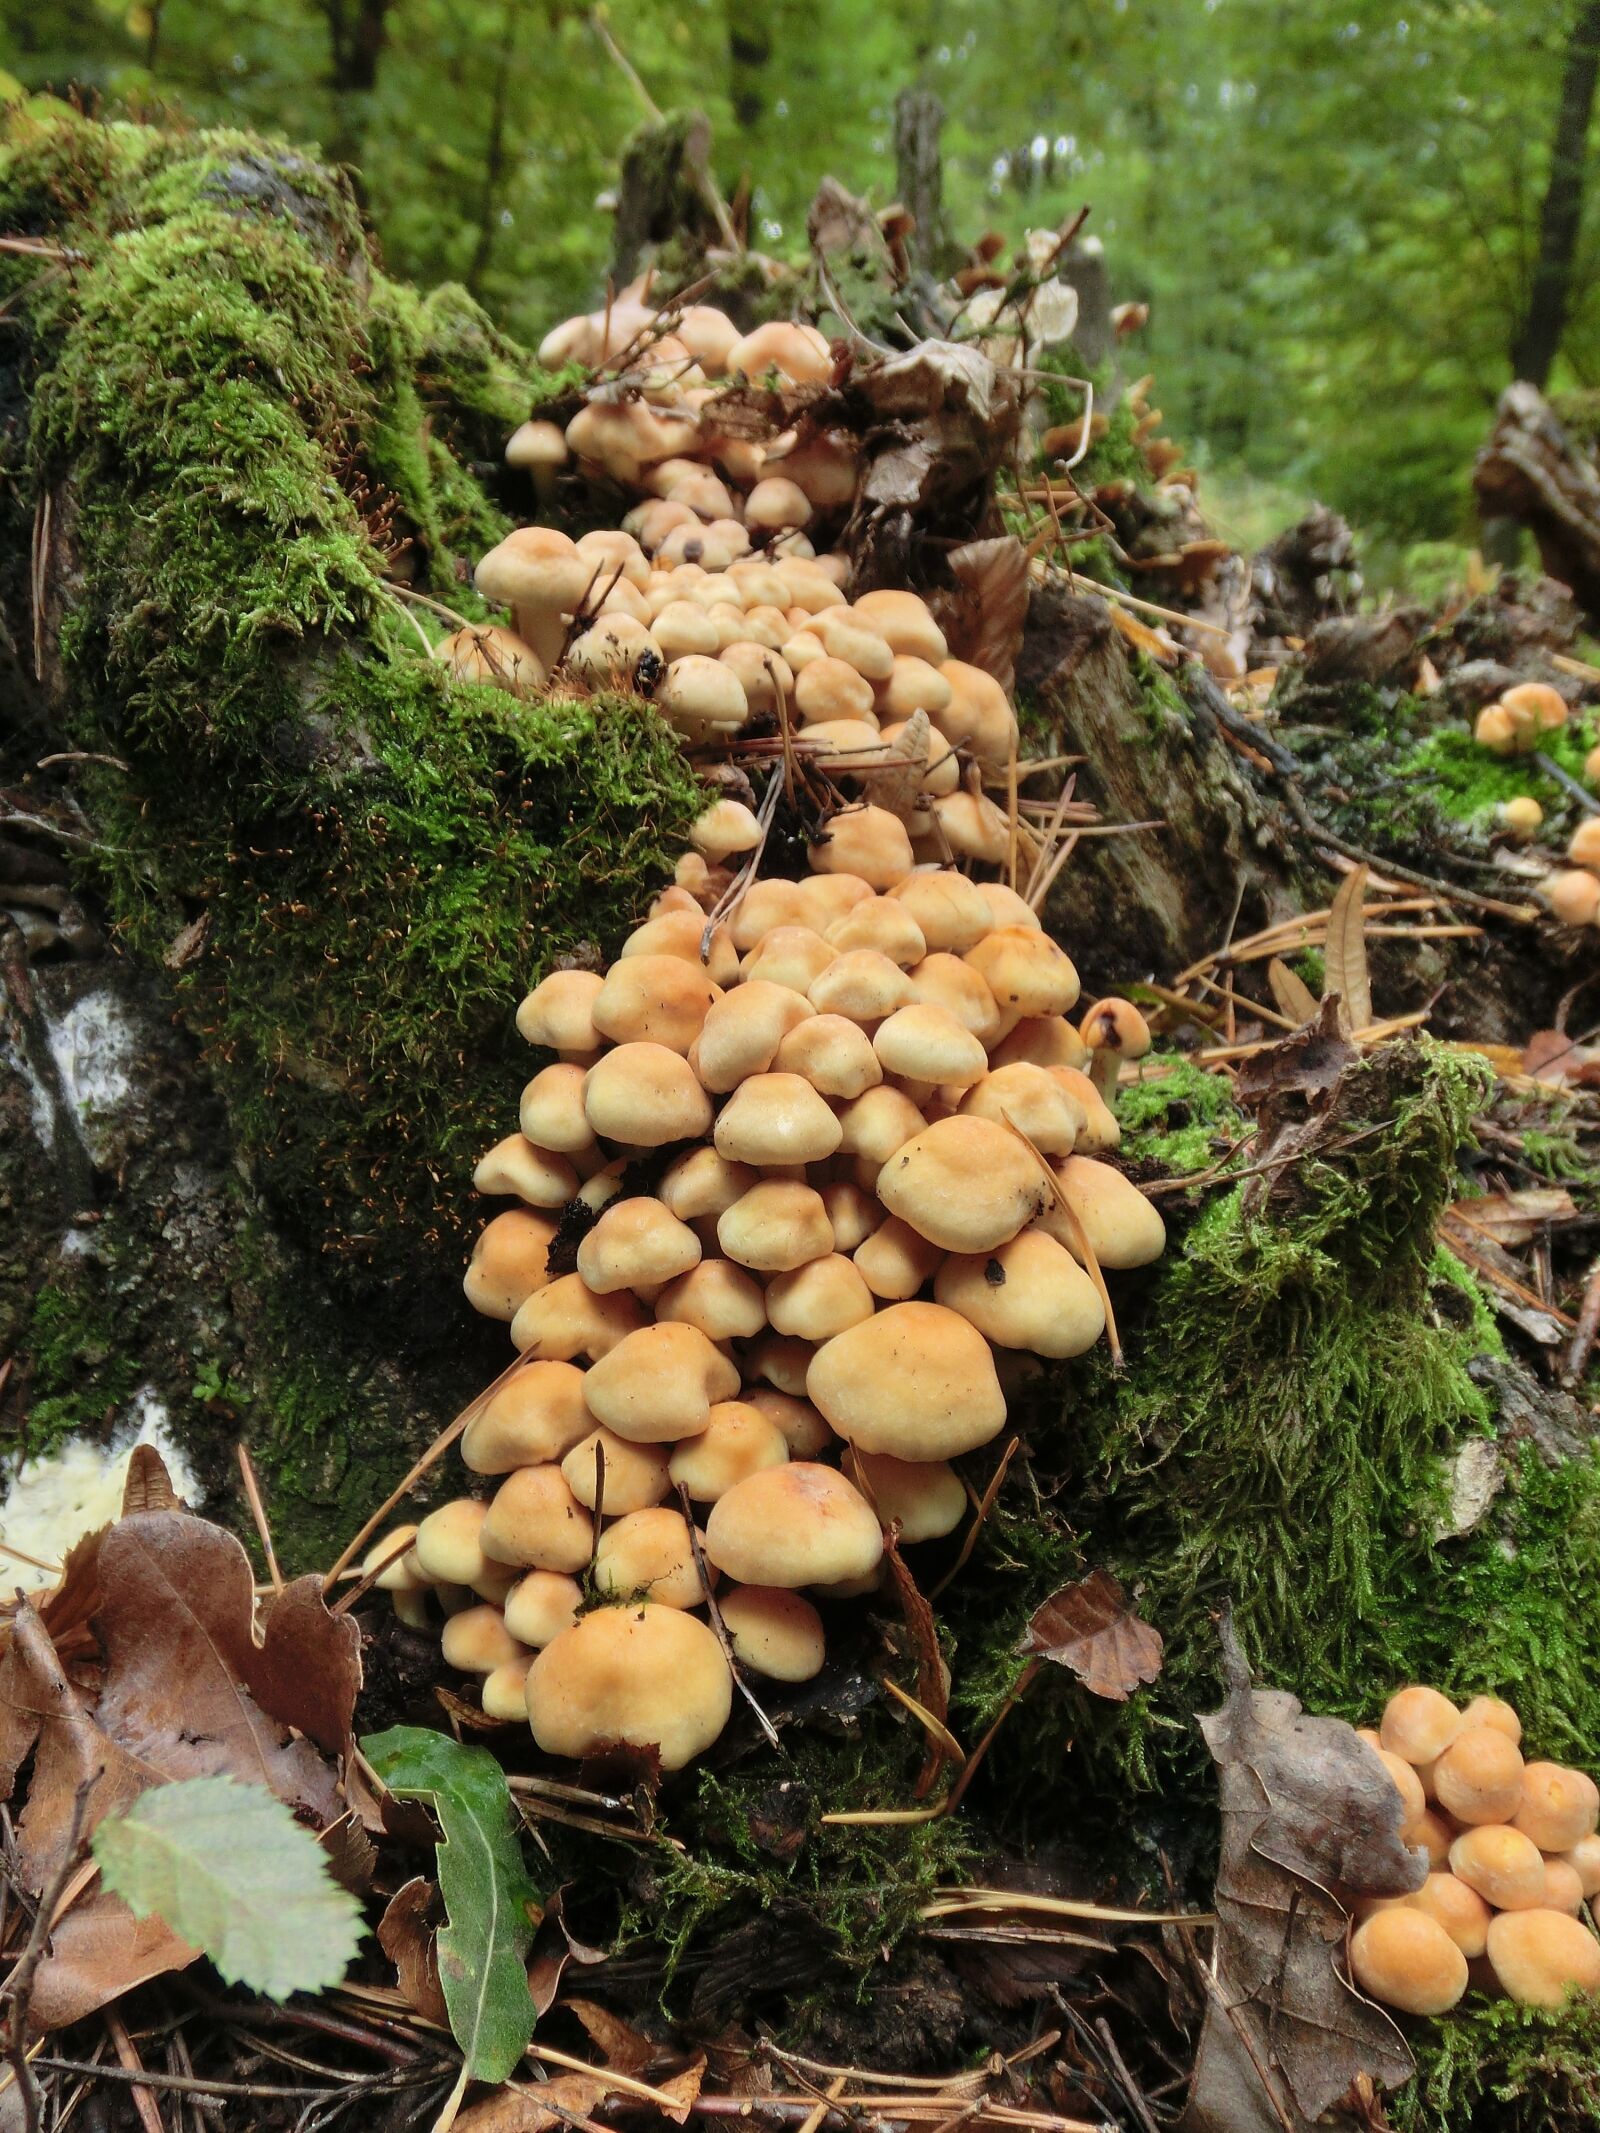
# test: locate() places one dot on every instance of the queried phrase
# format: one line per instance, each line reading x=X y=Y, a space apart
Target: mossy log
x=274 y=903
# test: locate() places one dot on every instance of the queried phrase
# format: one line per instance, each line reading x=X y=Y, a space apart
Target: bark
x=1561 y=213
x=919 y=174
x=749 y=56
x=1533 y=472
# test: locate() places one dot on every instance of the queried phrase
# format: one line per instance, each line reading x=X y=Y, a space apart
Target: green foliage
x=1490 y=2064
x=1177 y=1115
x=232 y=1872
x=489 y=1900
x=1467 y=782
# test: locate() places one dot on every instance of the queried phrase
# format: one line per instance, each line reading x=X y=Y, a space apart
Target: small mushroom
x=737 y=1441
x=537 y=1415
x=538 y=448
x=1541 y=1956
x=914 y=1380
x=1505 y=1867
x=792 y=1525
x=1558 y=1807
x=648 y=1676
x=1479 y=1777
x=1406 y=1959
x=536 y=1523
x=660 y=1384
x=773 y=1632
x=649 y=1554
x=1112 y=1030
x=965 y=1184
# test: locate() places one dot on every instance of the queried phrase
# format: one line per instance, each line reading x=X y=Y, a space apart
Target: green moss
x=1489 y=2065
x=248 y=417
x=1117 y=455
x=1177 y=1116
x=1466 y=782
x=84 y=1367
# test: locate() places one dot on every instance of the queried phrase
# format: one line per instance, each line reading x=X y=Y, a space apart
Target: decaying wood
x=1532 y=471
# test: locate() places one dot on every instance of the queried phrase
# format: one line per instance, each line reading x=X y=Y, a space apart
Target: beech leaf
x=1292 y=994
x=228 y=1868
x=489 y=1901
x=1345 y=956
x=1090 y=1629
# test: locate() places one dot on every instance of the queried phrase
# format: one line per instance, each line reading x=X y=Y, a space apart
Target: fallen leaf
x=991 y=605
x=1298 y=1073
x=1549 y=1055
x=526 y=2108
x=148 y=1485
x=1155 y=644
x=1515 y=1217
x=924 y=1634
x=895 y=774
x=1292 y=994
x=1345 y=955
x=98 y=1952
x=407 y=1934
x=1305 y=1805
x=625 y=2049
x=1090 y=1629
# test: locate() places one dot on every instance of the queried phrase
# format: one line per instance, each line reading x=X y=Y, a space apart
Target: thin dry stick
x=734 y=894
x=930 y=1721
x=1080 y=1240
x=717 y=1623
x=952 y=1902
x=986 y=1505
x=368 y=1578
x=607 y=2077
x=1012 y=823
x=437 y=607
x=1041 y=895
x=430 y=1458
x=35 y=1562
x=819 y=2111
x=1052 y=832
x=1019 y=1689
x=1588 y=1326
x=144 y=2100
x=258 y=1512
x=19 y=1985
x=1166 y=614
x=408 y=618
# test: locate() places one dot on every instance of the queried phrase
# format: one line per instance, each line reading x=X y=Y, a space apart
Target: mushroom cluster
x=1574 y=893
x=1513 y=1859
x=1517 y=722
x=802 y=1193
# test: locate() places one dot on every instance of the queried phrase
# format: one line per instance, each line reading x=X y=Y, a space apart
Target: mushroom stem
x=544 y=627
x=1104 y=1066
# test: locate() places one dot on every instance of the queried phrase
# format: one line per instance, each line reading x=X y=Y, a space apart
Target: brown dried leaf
x=1514 y=1218
x=924 y=1634
x=1299 y=1073
x=1156 y=643
x=1345 y=956
x=98 y=1952
x=1293 y=995
x=148 y=1486
x=525 y=2108
x=1305 y=1805
x=1551 y=1056
x=894 y=777
x=1090 y=1629
x=352 y=1855
x=625 y=2049
x=408 y=1935
x=992 y=605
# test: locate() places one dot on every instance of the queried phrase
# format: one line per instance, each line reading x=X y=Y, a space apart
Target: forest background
x=1354 y=220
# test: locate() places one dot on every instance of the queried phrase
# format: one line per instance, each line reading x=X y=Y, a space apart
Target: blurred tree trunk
x=358 y=35
x=919 y=172
x=494 y=153
x=1560 y=218
x=749 y=56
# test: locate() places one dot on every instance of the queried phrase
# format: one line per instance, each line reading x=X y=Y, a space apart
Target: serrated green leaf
x=229 y=1868
x=488 y=1897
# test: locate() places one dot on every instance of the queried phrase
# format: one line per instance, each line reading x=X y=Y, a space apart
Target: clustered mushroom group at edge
x=1513 y=1858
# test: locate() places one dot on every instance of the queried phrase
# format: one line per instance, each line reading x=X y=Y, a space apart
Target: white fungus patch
x=94 y=1046
x=44 y=1120
x=52 y=1502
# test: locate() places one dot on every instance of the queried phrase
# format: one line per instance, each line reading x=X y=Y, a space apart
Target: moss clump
x=248 y=426
x=1489 y=2064
x=1177 y=1117
x=1467 y=783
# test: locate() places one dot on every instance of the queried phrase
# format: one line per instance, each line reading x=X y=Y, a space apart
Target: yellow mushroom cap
x=774 y=1119
x=827 y=689
x=649 y=1553
x=949 y=909
x=559 y=1012
x=1461 y=1911
x=566 y=1319
x=1007 y=908
x=702 y=1182
x=1032 y=1099
x=1050 y=1041
x=1547 y=707
x=895 y=1261
x=647 y=1676
x=644 y=1096
x=802 y=1429
x=793 y=955
x=1434 y=1835
x=515 y=1165
x=551 y=1113
x=660 y=1384
x=765 y=905
x=537 y=1522
x=535 y=1416
x=1030 y=1293
x=1583 y=846
x=866 y=840
x=1413 y=1800
x=1419 y=1723
x=508 y=1262
x=1026 y=971
x=738 y=1440
x=680 y=932
x=477 y=1641
x=790 y=1525
x=914 y=1380
x=635 y=1475
x=1540 y=1956
x=944 y=980
x=1496 y=729
x=504 y=1691
x=853 y=1211
x=1563 y=1887
x=862 y=985
x=718 y=1297
x=725 y=827
x=923 y=1497
x=636 y=1244
x=1478 y=1778
x=744 y=1029
x=449 y=1543
x=401 y=1572
x=1505 y=1867
x=815 y=1301
x=883 y=923
x=776 y=1225
x=654 y=999
x=773 y=1632
x=1496 y=1712
x=798 y=353
x=1115 y=1025
x=833 y=1053
x=1584 y=1858
x=906 y=622
x=1573 y=896
x=973 y=827
x=541 y=1605
x=1406 y=1959
x=1558 y=1807
x=1123 y=1228
x=965 y=1184
x=926 y=1043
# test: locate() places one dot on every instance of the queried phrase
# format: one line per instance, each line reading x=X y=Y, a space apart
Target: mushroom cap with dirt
x=640 y=1674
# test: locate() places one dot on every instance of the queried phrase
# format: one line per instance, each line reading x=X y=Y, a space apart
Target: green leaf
x=229 y=1868
x=488 y=1897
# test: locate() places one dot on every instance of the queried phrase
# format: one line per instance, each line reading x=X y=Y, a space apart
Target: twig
x=985 y=1506
x=19 y=1985
x=368 y=1578
x=410 y=619
x=1567 y=782
x=1445 y=891
x=258 y=1513
x=81 y=755
x=1165 y=614
x=721 y=1627
x=201 y=2085
x=1084 y=1249
x=437 y=607
x=144 y=2101
x=1588 y=1326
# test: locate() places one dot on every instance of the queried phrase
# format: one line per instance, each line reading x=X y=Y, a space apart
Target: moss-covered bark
x=229 y=438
